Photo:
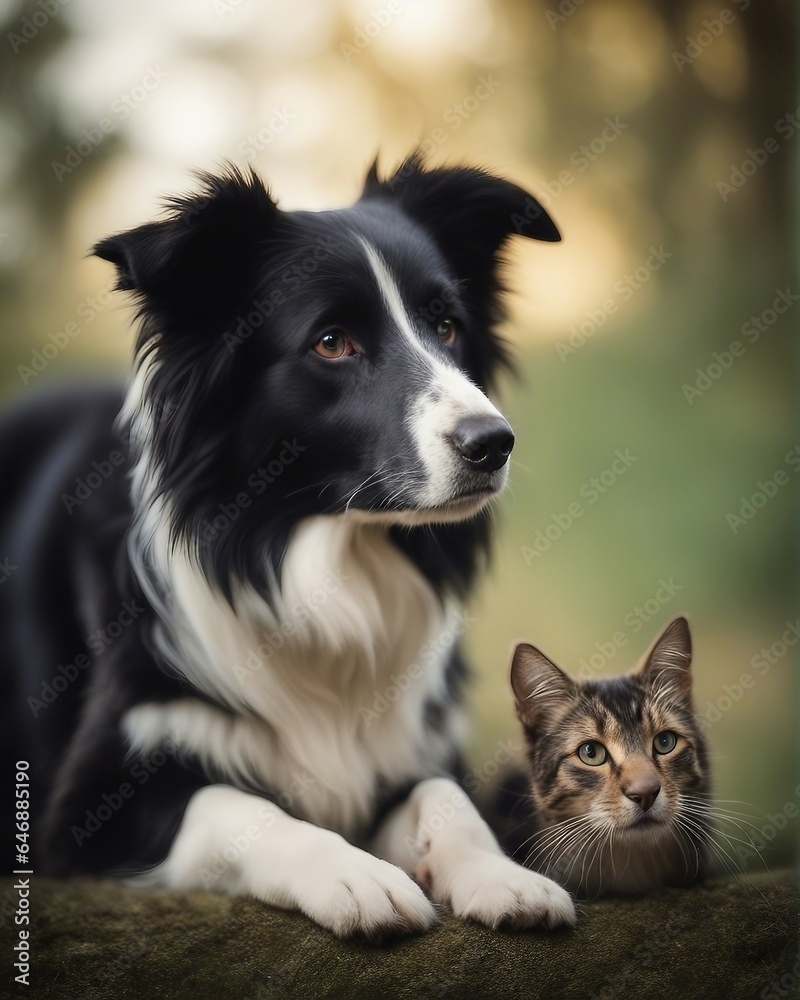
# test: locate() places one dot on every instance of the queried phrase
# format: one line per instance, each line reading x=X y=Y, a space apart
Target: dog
x=231 y=628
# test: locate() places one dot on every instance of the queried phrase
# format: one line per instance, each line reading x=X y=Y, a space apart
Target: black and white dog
x=199 y=632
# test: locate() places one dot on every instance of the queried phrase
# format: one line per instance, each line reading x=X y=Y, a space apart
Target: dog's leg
x=438 y=836
x=240 y=843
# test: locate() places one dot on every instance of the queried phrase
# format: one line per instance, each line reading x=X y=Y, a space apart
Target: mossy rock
x=727 y=939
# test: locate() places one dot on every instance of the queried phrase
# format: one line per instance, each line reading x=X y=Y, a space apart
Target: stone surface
x=730 y=938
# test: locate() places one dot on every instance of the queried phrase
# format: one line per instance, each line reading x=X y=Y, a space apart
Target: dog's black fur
x=230 y=307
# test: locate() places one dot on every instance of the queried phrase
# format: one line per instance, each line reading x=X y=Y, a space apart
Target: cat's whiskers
x=706 y=836
x=723 y=802
x=715 y=809
x=541 y=836
x=733 y=865
x=678 y=836
x=572 y=852
x=704 y=815
x=549 y=857
x=612 y=855
x=714 y=819
x=549 y=839
x=610 y=839
x=587 y=861
x=570 y=845
x=597 y=851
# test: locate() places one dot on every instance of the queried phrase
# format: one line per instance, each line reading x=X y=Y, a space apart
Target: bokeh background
x=657 y=135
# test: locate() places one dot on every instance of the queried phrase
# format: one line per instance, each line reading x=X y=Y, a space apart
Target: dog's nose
x=643 y=793
x=484 y=442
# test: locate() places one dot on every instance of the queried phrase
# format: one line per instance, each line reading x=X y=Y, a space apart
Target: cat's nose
x=643 y=792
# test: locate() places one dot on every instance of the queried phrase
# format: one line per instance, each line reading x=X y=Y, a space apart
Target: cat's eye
x=665 y=742
x=447 y=331
x=334 y=344
x=593 y=753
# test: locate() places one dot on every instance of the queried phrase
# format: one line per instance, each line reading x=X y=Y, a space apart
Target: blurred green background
x=654 y=132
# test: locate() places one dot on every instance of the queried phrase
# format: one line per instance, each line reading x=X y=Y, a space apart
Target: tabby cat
x=618 y=786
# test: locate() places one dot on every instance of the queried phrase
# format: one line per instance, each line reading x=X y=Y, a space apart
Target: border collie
x=198 y=638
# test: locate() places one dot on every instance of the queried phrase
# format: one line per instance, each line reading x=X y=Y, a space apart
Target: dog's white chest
x=326 y=690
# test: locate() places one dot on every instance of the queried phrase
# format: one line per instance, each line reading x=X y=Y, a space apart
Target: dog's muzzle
x=484 y=443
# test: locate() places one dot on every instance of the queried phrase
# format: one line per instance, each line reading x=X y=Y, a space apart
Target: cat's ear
x=539 y=685
x=667 y=666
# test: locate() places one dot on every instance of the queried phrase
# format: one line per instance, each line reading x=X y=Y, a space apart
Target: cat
x=616 y=795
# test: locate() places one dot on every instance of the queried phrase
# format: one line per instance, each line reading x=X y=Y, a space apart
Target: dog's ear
x=200 y=258
x=469 y=212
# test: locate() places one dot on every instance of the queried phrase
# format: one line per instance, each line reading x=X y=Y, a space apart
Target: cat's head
x=617 y=765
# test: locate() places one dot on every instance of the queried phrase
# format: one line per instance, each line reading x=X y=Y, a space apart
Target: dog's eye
x=334 y=344
x=447 y=331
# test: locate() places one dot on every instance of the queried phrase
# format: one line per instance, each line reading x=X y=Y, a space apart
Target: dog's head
x=327 y=361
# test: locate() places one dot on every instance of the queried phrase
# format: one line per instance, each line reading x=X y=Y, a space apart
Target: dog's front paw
x=493 y=890
x=356 y=894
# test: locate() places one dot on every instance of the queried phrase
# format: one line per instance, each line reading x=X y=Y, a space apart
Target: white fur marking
x=303 y=679
x=234 y=842
x=438 y=835
x=435 y=413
